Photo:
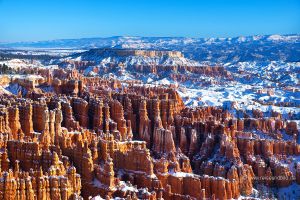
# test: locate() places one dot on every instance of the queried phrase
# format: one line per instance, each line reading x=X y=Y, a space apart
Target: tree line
x=5 y=69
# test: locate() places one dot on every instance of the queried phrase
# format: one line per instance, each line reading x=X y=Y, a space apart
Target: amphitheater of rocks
x=88 y=137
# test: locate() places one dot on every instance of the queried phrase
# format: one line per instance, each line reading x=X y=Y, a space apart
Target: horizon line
x=115 y=36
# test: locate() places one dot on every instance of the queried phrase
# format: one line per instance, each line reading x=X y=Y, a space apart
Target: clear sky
x=31 y=20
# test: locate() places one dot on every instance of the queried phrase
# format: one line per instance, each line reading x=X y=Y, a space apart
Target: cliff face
x=146 y=53
x=93 y=136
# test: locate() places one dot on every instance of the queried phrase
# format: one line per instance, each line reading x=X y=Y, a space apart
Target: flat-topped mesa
x=135 y=52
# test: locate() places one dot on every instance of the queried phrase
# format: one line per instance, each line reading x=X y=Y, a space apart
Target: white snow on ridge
x=283 y=37
x=21 y=63
x=143 y=60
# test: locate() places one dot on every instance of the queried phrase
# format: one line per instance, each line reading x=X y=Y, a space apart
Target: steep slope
x=134 y=57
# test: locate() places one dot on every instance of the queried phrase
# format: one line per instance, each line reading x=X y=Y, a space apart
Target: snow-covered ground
x=21 y=63
x=242 y=96
x=269 y=86
x=290 y=192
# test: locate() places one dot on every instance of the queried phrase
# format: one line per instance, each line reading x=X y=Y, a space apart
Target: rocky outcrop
x=93 y=136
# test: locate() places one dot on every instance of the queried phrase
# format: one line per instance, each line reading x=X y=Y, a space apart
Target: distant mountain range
x=214 y=50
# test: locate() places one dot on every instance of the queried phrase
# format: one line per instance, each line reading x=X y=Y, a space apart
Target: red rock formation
x=80 y=109
x=144 y=125
x=123 y=138
x=25 y=112
x=14 y=122
x=291 y=128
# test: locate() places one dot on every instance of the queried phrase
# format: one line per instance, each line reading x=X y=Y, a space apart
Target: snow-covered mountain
x=213 y=50
x=128 y=57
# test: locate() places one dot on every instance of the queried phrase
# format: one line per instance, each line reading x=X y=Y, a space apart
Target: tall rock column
x=25 y=112
x=57 y=125
x=81 y=110
x=193 y=143
x=144 y=124
x=117 y=114
x=14 y=123
x=163 y=141
x=52 y=126
x=39 y=116
x=96 y=113
x=4 y=121
x=106 y=118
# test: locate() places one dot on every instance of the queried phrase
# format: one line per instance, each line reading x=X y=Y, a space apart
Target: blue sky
x=31 y=20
